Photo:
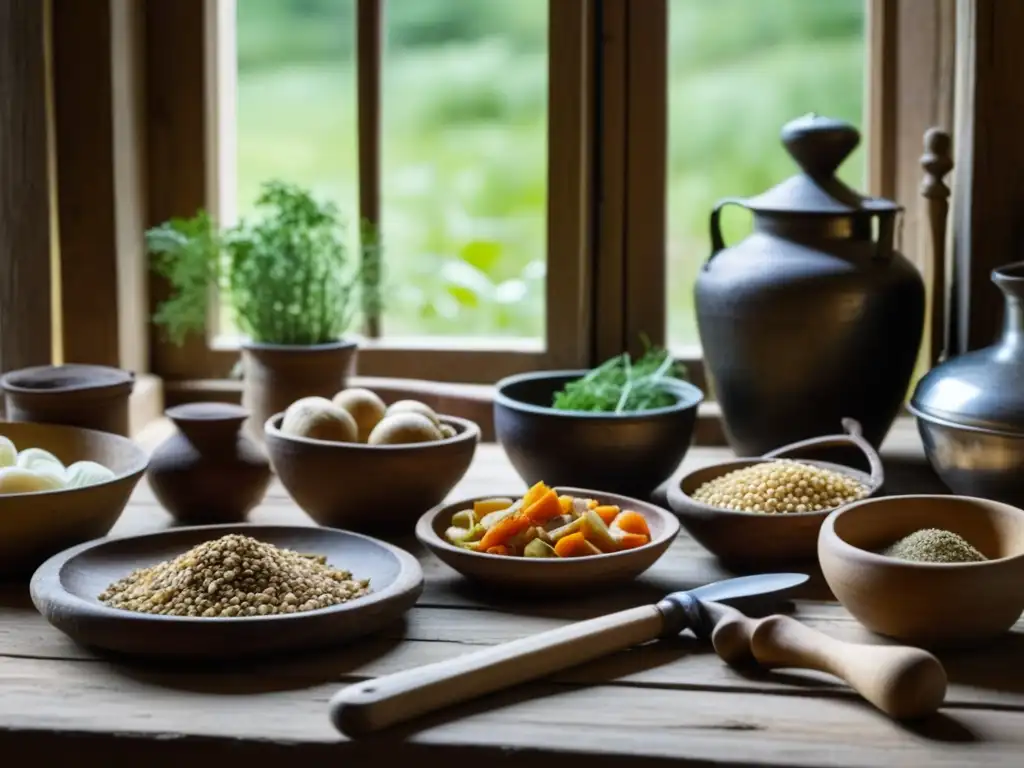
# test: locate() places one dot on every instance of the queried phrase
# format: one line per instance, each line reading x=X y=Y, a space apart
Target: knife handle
x=903 y=682
x=377 y=704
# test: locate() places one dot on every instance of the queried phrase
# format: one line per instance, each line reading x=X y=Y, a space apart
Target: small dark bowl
x=629 y=454
x=370 y=487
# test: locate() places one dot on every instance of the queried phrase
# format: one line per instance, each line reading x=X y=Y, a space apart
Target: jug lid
x=981 y=389
x=819 y=145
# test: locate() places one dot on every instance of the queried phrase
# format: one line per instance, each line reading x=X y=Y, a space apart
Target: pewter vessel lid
x=819 y=145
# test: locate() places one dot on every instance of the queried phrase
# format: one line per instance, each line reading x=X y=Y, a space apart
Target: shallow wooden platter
x=64 y=590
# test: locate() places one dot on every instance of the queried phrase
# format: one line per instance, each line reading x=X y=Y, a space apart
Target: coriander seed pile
x=234 y=576
x=780 y=487
x=934 y=545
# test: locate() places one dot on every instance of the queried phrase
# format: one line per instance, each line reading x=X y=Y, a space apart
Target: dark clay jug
x=209 y=471
x=815 y=316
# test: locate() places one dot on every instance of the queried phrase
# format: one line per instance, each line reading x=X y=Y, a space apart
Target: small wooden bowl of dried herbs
x=929 y=570
x=623 y=427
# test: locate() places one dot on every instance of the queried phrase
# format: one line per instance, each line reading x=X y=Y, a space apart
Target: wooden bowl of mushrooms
x=352 y=462
x=769 y=509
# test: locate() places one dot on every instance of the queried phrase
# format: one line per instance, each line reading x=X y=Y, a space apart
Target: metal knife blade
x=747 y=586
x=684 y=610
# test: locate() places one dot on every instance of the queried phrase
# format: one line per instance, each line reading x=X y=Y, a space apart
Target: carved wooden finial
x=937 y=162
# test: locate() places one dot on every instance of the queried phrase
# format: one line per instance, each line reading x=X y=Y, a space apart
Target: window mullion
x=369 y=48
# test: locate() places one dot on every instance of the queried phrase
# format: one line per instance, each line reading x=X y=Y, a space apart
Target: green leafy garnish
x=620 y=385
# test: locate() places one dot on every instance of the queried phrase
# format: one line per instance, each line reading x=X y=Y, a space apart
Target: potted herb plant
x=288 y=278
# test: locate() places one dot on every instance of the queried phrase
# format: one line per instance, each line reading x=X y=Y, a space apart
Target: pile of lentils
x=779 y=487
x=934 y=545
x=235 y=576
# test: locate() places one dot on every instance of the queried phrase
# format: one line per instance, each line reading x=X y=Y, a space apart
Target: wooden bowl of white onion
x=60 y=486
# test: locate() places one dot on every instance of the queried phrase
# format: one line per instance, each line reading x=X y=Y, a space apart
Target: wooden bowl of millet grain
x=752 y=539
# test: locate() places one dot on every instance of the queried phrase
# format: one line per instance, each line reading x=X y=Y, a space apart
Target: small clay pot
x=87 y=396
x=276 y=375
x=210 y=471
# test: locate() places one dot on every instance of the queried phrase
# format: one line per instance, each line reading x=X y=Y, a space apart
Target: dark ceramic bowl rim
x=843 y=546
x=689 y=396
x=467 y=431
x=428 y=536
x=941 y=422
x=676 y=494
x=119 y=380
x=140 y=465
x=343 y=343
x=62 y=558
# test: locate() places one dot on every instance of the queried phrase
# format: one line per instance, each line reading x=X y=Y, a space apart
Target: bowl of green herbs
x=623 y=427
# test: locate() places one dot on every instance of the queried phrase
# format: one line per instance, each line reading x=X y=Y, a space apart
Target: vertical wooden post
x=369 y=48
x=988 y=188
x=937 y=162
x=25 y=300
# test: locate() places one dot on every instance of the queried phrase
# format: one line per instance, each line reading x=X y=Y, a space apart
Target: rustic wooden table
x=671 y=701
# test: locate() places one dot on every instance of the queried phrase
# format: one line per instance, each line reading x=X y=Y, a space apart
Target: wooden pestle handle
x=903 y=682
x=376 y=704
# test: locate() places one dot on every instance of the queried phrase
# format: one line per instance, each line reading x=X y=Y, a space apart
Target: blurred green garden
x=464 y=135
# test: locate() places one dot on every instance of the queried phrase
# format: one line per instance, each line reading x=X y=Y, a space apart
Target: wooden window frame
x=179 y=159
x=151 y=108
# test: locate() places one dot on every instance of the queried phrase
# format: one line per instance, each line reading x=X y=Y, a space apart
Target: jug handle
x=717 y=243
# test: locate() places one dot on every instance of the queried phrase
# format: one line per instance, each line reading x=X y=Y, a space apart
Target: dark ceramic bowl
x=751 y=539
x=629 y=454
x=370 y=487
x=554 y=575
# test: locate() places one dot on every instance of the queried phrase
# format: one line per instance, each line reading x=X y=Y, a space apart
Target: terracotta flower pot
x=87 y=396
x=209 y=471
x=276 y=375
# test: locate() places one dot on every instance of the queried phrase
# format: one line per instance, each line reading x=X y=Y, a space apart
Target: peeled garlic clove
x=18 y=480
x=36 y=458
x=8 y=452
x=83 y=473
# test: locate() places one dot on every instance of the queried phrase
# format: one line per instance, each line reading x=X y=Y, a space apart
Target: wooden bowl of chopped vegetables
x=622 y=427
x=549 y=539
x=751 y=512
x=929 y=570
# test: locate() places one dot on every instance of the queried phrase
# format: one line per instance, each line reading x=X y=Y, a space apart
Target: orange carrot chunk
x=574 y=545
x=501 y=549
x=503 y=530
x=543 y=509
x=566 y=503
x=535 y=492
x=607 y=513
x=631 y=522
x=630 y=540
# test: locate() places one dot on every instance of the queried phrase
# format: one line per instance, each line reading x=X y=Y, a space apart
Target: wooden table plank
x=692 y=726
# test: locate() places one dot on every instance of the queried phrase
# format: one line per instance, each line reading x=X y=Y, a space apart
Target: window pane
x=464 y=185
x=739 y=70
x=296 y=97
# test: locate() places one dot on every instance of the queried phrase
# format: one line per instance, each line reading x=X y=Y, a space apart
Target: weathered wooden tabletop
x=671 y=701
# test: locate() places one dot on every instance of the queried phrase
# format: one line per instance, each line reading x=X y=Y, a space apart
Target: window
x=435 y=123
x=541 y=171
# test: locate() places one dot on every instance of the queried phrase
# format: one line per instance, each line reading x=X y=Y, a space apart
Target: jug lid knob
x=819 y=144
